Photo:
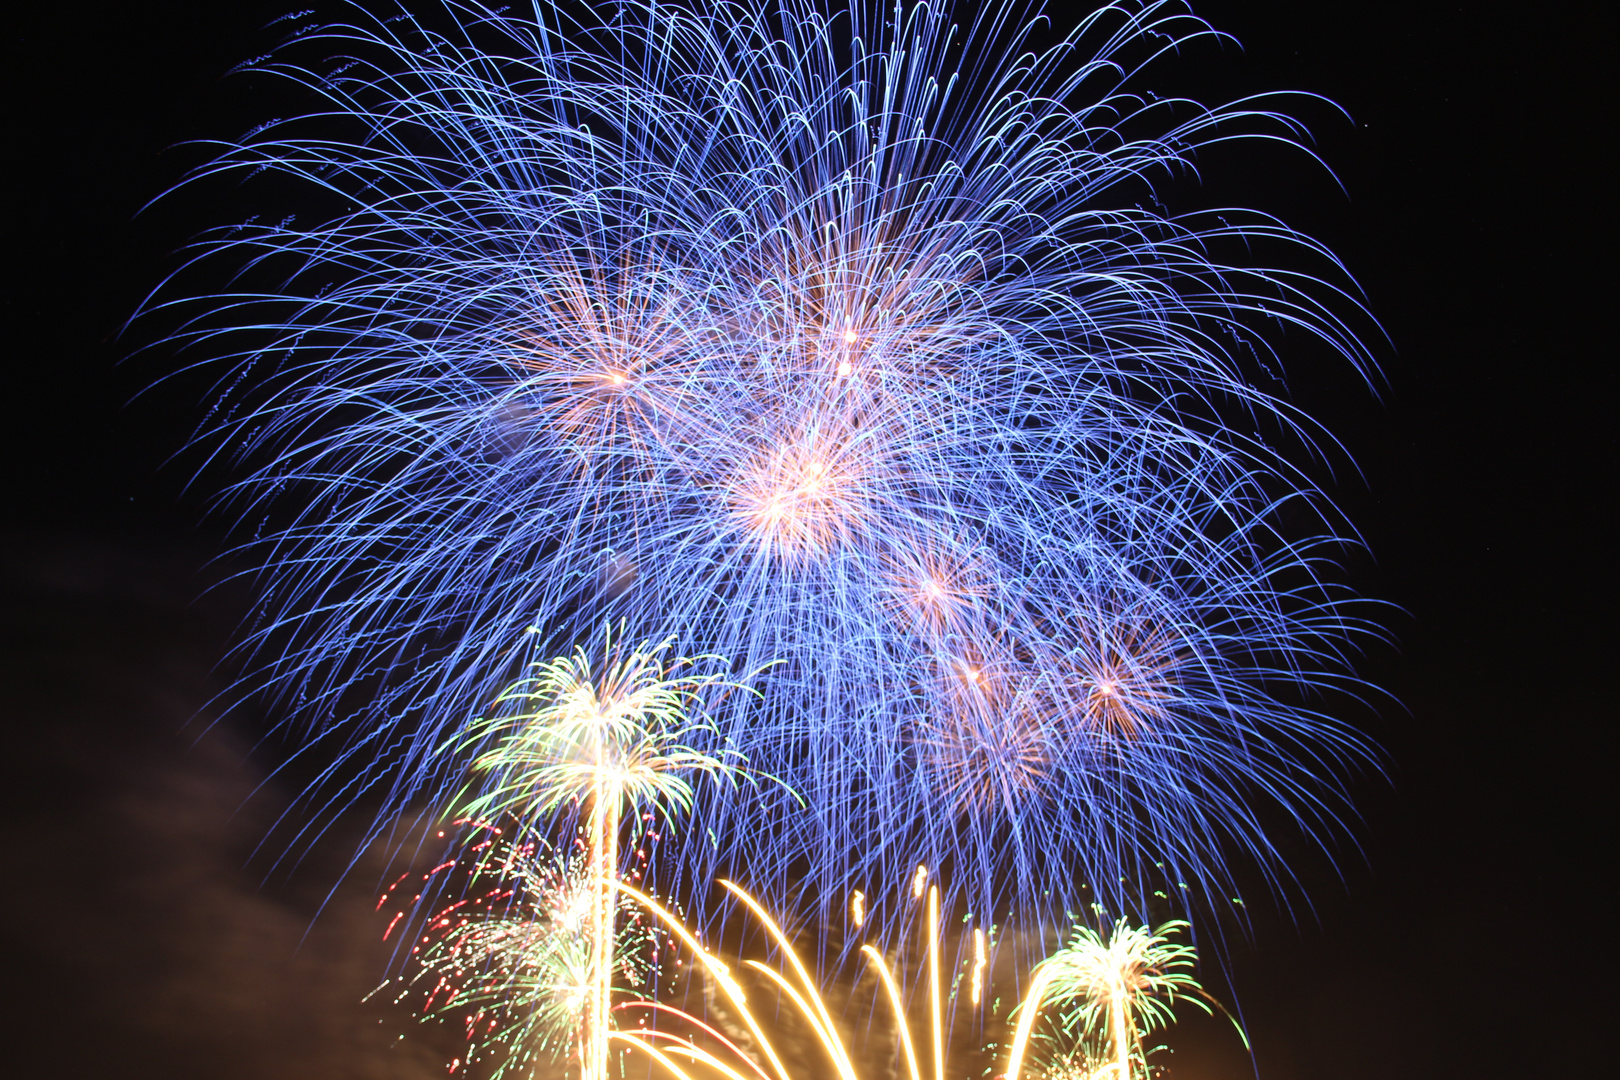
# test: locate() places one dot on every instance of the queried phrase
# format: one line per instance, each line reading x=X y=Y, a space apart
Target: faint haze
x=140 y=936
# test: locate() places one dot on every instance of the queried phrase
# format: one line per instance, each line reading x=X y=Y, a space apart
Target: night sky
x=1467 y=937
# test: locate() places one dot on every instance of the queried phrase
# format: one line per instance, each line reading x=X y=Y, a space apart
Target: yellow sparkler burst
x=675 y=1054
x=1122 y=987
x=574 y=731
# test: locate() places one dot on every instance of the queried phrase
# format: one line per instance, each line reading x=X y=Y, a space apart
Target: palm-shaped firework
x=598 y=732
x=810 y=334
x=1121 y=986
x=597 y=737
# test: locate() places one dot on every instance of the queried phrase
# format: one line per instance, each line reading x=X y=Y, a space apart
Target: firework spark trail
x=809 y=335
x=1101 y=994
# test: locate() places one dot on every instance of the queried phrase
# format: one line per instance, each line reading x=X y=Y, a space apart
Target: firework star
x=511 y=959
x=830 y=338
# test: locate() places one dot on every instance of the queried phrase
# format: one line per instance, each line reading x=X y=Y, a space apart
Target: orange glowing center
x=845 y=368
x=798 y=503
x=849 y=337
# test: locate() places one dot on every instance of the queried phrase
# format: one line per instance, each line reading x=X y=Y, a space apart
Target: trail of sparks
x=1105 y=991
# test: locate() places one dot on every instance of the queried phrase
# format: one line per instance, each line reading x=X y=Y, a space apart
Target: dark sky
x=1469 y=938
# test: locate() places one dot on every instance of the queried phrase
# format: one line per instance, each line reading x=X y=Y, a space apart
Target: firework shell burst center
x=833 y=340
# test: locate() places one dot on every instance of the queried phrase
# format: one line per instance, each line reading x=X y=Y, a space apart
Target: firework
x=599 y=737
x=1122 y=986
x=815 y=335
x=797 y=987
x=603 y=733
x=1105 y=992
x=513 y=957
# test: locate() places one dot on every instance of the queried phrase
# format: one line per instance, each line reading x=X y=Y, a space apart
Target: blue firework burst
x=817 y=336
